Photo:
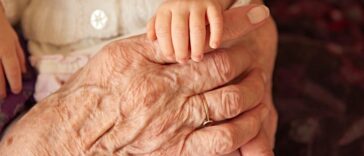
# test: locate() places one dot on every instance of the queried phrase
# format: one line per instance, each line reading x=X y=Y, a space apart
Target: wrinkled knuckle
x=224 y=140
x=232 y=102
x=196 y=113
x=224 y=69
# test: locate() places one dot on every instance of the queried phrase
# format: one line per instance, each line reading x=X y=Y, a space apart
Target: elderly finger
x=13 y=72
x=259 y=146
x=2 y=82
x=243 y=20
x=163 y=32
x=226 y=137
x=227 y=102
x=21 y=58
x=180 y=36
x=197 y=34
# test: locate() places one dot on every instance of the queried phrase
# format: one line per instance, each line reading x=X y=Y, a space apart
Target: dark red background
x=319 y=77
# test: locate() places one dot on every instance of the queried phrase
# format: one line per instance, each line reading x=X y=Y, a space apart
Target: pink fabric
x=54 y=71
x=47 y=84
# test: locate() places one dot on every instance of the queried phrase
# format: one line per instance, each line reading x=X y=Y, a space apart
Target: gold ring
x=207 y=121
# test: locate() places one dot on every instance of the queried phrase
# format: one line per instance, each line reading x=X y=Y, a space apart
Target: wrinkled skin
x=129 y=100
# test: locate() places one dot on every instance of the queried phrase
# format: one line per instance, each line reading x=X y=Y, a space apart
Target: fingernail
x=258 y=14
x=197 y=58
x=16 y=90
x=213 y=45
x=170 y=58
x=183 y=61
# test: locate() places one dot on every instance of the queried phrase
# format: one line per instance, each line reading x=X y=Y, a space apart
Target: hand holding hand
x=127 y=100
x=181 y=24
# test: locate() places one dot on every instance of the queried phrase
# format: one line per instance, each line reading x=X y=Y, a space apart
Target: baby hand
x=179 y=24
x=12 y=61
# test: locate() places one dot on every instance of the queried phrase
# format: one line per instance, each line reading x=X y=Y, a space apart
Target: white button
x=98 y=19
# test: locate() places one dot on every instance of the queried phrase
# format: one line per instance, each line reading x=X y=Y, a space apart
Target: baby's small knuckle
x=162 y=31
x=217 y=25
x=179 y=30
x=198 y=29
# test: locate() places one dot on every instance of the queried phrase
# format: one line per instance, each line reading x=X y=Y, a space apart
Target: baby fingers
x=197 y=34
x=163 y=33
x=2 y=82
x=180 y=36
x=215 y=19
x=12 y=71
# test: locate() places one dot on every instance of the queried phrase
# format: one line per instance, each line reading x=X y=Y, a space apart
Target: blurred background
x=318 y=81
x=319 y=77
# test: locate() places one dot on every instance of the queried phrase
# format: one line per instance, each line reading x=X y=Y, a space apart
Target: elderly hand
x=129 y=100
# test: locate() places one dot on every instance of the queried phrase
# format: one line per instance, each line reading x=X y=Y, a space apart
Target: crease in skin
x=168 y=131
x=154 y=107
x=195 y=113
x=149 y=147
x=132 y=137
x=177 y=142
x=95 y=96
x=107 y=145
x=107 y=130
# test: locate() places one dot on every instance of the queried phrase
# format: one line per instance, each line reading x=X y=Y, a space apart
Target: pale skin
x=12 y=60
x=117 y=118
x=180 y=27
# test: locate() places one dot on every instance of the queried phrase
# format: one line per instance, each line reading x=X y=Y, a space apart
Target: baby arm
x=12 y=61
x=180 y=27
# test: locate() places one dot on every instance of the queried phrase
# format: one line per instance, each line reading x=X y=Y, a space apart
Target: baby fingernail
x=258 y=14
x=183 y=60
x=170 y=58
x=214 y=45
x=198 y=58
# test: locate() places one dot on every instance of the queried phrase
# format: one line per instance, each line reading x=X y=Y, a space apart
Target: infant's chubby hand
x=12 y=61
x=181 y=24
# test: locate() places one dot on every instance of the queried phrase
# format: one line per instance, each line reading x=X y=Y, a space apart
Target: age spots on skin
x=9 y=141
